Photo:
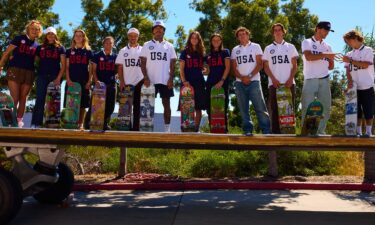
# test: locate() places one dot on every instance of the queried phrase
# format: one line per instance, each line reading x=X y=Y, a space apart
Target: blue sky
x=344 y=15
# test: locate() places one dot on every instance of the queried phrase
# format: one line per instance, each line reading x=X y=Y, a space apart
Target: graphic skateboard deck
x=217 y=120
x=124 y=120
x=98 y=107
x=351 y=108
x=52 y=106
x=147 y=107
x=7 y=111
x=70 y=113
x=285 y=109
x=313 y=116
x=187 y=109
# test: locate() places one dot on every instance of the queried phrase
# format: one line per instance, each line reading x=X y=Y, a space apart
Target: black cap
x=324 y=25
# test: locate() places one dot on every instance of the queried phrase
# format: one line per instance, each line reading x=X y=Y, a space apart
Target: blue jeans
x=41 y=91
x=253 y=93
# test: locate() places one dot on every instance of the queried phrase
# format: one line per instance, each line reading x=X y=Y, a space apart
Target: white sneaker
x=167 y=128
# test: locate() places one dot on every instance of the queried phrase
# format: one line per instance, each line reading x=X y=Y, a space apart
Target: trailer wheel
x=57 y=192
x=11 y=197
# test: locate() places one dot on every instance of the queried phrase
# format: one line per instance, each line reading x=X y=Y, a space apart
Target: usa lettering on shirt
x=78 y=59
x=193 y=62
x=106 y=63
x=245 y=57
x=129 y=58
x=49 y=53
x=279 y=58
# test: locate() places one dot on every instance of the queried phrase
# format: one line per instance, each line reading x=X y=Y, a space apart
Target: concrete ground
x=205 y=207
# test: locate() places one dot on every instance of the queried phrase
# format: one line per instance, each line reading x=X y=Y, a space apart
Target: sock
x=167 y=128
x=20 y=122
x=368 y=130
x=359 y=130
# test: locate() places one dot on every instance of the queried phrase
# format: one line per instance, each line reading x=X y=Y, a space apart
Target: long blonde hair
x=34 y=22
x=85 y=42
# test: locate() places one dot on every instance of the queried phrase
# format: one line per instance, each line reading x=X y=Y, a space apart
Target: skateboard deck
x=217 y=120
x=285 y=109
x=351 y=111
x=98 y=108
x=187 y=109
x=7 y=111
x=52 y=106
x=70 y=113
x=124 y=120
x=313 y=116
x=147 y=107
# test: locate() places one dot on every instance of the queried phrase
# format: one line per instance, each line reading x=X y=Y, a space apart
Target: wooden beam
x=185 y=140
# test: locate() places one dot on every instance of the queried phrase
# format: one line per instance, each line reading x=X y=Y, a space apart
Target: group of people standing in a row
x=154 y=64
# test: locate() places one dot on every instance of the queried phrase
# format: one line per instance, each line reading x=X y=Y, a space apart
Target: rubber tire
x=60 y=190
x=11 y=196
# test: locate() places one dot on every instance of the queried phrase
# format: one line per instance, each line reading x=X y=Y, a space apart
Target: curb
x=226 y=185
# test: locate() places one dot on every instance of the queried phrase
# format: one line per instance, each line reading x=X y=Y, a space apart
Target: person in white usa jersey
x=130 y=73
x=318 y=59
x=359 y=65
x=280 y=65
x=247 y=62
x=158 y=60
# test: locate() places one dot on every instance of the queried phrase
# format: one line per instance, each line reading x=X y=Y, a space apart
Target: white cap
x=133 y=30
x=158 y=23
x=50 y=30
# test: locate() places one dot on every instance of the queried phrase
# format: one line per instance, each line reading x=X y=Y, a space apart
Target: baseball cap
x=324 y=25
x=133 y=30
x=158 y=23
x=50 y=30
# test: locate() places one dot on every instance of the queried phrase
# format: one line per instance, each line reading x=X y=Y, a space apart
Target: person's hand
x=275 y=82
x=186 y=83
x=219 y=84
x=330 y=55
x=245 y=80
x=146 y=82
x=170 y=83
x=88 y=85
x=56 y=82
x=289 y=82
x=69 y=82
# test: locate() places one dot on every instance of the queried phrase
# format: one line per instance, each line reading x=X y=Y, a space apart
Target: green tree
x=118 y=17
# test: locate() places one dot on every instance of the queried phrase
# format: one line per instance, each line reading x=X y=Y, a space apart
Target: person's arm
x=67 y=73
x=267 y=70
x=225 y=74
x=5 y=56
x=91 y=71
x=244 y=79
x=144 y=71
x=182 y=73
x=57 y=81
x=356 y=63
x=258 y=67
x=171 y=73
x=120 y=72
x=314 y=57
x=293 y=72
x=349 y=77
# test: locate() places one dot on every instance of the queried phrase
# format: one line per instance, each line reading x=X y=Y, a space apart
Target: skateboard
x=217 y=120
x=7 y=111
x=314 y=114
x=187 y=109
x=351 y=111
x=52 y=106
x=98 y=107
x=70 y=113
x=147 y=107
x=124 y=120
x=285 y=109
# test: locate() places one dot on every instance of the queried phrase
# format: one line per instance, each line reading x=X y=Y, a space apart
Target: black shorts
x=164 y=91
x=365 y=106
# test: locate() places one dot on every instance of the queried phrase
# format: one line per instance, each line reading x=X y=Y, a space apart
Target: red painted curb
x=226 y=185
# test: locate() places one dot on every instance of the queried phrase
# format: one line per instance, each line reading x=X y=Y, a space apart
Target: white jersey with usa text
x=364 y=78
x=245 y=57
x=316 y=68
x=128 y=57
x=158 y=55
x=279 y=58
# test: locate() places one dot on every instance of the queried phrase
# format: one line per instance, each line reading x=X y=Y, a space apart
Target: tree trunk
x=272 y=164
x=123 y=162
